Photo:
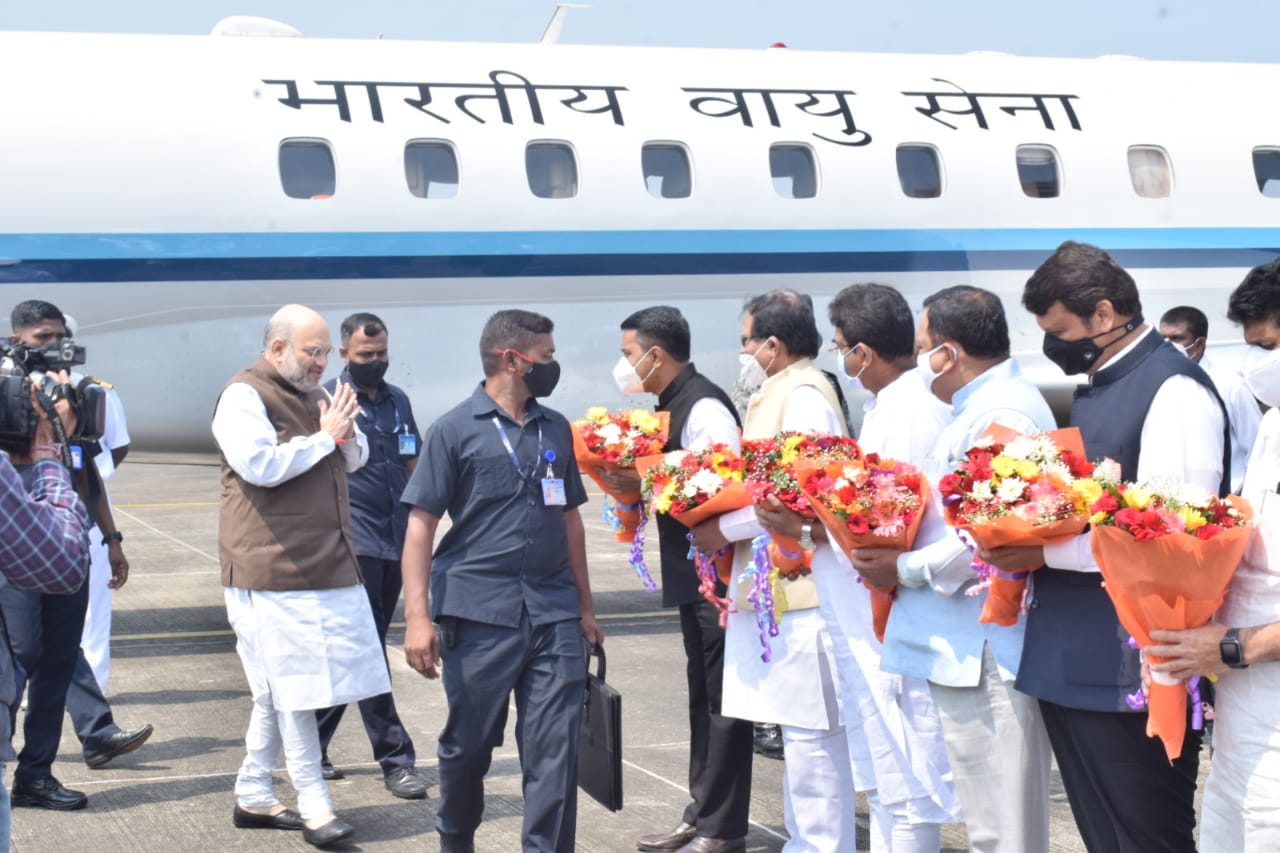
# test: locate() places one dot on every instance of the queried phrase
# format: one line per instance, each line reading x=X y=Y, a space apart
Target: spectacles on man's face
x=316 y=353
x=843 y=351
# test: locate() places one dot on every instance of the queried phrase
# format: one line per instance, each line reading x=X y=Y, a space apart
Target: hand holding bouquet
x=605 y=441
x=1018 y=490
x=868 y=503
x=1167 y=552
x=770 y=471
x=692 y=486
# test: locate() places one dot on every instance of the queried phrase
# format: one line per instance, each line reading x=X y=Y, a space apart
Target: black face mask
x=541 y=377
x=1078 y=356
x=368 y=374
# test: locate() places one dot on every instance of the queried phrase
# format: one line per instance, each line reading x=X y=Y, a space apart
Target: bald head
x=297 y=342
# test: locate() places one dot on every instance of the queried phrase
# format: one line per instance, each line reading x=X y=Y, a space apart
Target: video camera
x=19 y=364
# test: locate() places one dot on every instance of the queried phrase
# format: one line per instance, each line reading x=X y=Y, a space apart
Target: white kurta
x=1242 y=798
x=895 y=736
x=314 y=648
x=801 y=653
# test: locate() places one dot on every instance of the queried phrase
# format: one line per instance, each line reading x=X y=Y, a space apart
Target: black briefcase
x=600 y=742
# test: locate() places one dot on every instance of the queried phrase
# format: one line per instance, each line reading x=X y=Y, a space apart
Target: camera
x=19 y=364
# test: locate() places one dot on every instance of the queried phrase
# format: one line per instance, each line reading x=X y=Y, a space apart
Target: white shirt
x=247 y=439
x=710 y=422
x=902 y=422
x=1242 y=411
x=1181 y=440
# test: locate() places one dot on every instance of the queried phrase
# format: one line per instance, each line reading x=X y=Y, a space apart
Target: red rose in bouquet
x=692 y=486
x=868 y=503
x=770 y=471
x=605 y=440
x=1018 y=490
x=1167 y=553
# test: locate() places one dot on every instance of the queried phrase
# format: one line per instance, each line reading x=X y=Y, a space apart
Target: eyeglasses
x=843 y=351
x=316 y=352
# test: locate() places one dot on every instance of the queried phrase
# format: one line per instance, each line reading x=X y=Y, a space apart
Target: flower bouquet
x=692 y=486
x=1019 y=490
x=1167 y=553
x=605 y=440
x=868 y=503
x=770 y=470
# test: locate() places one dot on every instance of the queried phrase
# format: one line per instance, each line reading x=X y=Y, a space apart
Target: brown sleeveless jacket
x=295 y=535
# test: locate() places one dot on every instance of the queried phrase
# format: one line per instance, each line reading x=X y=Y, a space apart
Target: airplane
x=172 y=191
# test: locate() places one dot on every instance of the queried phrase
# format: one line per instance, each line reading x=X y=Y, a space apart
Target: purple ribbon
x=761 y=595
x=1003 y=575
x=637 y=552
x=707 y=579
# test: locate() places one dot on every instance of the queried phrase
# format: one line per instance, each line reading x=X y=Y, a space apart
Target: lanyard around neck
x=506 y=442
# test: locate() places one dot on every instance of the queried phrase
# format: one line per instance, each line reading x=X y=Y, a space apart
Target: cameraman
x=44 y=547
x=46 y=632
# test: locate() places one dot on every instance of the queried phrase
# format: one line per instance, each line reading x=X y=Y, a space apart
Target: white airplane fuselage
x=140 y=191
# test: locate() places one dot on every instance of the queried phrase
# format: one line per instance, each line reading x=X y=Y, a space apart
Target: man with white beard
x=294 y=595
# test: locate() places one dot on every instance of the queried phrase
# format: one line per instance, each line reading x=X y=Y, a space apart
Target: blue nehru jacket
x=506 y=549
x=378 y=518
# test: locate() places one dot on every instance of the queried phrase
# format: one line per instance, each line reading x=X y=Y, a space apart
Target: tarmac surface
x=174 y=665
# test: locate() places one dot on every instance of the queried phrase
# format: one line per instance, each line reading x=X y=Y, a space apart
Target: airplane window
x=1266 y=168
x=551 y=169
x=1038 y=171
x=431 y=169
x=919 y=171
x=794 y=170
x=306 y=168
x=1150 y=172
x=666 y=169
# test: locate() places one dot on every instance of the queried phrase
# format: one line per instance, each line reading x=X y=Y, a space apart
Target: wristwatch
x=1231 y=650
x=113 y=536
x=806 y=537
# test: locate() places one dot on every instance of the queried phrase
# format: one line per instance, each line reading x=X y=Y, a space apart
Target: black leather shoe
x=287 y=819
x=715 y=845
x=768 y=740
x=331 y=833
x=47 y=793
x=673 y=840
x=328 y=771
x=117 y=745
x=406 y=783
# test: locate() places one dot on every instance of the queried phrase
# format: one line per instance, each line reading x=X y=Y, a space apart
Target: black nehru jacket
x=679 y=577
x=1075 y=653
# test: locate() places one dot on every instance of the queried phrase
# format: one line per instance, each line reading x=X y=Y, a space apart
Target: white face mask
x=1180 y=348
x=628 y=380
x=753 y=374
x=854 y=382
x=927 y=374
x=1262 y=374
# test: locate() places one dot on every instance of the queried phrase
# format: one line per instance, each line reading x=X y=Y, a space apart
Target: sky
x=1225 y=30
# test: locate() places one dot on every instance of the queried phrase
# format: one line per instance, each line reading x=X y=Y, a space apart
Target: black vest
x=679 y=577
x=1075 y=653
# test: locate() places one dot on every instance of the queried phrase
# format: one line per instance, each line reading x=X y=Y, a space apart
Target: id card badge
x=408 y=444
x=552 y=486
x=553 y=492
x=77 y=457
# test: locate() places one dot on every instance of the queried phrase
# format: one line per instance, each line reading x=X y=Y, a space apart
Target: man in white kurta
x=304 y=628
x=890 y=717
x=796 y=688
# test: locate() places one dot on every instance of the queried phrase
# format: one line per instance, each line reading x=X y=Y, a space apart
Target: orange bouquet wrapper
x=627 y=504
x=881 y=597
x=1005 y=590
x=733 y=496
x=1172 y=582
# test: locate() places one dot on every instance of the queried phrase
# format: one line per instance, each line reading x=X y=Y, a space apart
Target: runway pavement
x=175 y=666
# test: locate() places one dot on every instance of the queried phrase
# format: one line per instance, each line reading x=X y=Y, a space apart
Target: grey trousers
x=1000 y=758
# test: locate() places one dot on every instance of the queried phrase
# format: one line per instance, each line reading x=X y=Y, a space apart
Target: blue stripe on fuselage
x=392 y=255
